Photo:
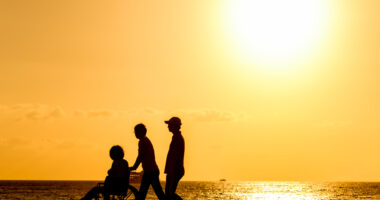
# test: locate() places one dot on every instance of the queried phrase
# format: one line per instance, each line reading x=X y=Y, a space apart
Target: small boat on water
x=135 y=177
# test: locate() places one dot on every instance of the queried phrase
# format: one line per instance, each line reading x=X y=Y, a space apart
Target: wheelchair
x=129 y=194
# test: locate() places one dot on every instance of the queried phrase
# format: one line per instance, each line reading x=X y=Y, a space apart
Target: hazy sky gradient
x=76 y=76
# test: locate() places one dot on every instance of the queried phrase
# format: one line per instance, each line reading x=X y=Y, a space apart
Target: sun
x=276 y=32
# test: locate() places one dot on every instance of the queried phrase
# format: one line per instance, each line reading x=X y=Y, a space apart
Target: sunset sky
x=266 y=90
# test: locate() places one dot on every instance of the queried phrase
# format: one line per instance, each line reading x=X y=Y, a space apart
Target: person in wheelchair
x=117 y=181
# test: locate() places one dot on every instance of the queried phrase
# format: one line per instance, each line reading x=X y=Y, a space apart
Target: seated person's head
x=116 y=153
x=140 y=131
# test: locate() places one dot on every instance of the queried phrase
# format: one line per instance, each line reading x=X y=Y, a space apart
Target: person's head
x=116 y=152
x=174 y=124
x=140 y=131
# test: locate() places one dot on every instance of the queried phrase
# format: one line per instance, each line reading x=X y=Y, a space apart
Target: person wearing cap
x=147 y=158
x=174 y=169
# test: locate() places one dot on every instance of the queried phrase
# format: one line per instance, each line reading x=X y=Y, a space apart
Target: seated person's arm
x=113 y=171
x=119 y=169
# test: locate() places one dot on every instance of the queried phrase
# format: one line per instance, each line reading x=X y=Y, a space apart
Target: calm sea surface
x=51 y=190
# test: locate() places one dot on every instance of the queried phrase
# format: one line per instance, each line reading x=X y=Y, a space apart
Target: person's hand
x=132 y=168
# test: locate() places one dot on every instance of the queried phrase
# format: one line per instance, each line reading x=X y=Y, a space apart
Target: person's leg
x=177 y=178
x=169 y=192
x=92 y=193
x=157 y=186
x=171 y=186
x=144 y=186
x=176 y=197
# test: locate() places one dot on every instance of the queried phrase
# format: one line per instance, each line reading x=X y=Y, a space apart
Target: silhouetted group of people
x=117 y=180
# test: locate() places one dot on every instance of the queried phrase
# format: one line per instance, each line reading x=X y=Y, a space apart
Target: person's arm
x=179 y=153
x=115 y=168
x=138 y=159
x=177 y=147
x=137 y=163
x=112 y=170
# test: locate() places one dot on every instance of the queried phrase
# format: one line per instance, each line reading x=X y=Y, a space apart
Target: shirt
x=119 y=169
x=174 y=160
x=146 y=152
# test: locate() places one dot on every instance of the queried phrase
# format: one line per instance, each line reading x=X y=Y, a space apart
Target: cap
x=174 y=120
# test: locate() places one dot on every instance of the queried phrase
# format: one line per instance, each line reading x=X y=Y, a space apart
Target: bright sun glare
x=276 y=31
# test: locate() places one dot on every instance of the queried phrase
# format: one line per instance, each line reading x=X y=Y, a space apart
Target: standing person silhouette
x=174 y=162
x=147 y=158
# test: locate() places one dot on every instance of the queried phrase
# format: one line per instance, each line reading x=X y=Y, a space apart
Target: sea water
x=55 y=190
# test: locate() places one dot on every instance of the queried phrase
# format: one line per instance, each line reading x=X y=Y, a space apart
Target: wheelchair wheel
x=131 y=194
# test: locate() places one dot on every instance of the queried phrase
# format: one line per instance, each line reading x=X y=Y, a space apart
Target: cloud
x=65 y=143
x=152 y=111
x=41 y=143
x=208 y=115
x=94 y=113
x=45 y=114
x=41 y=112
x=103 y=113
x=79 y=113
x=116 y=113
x=32 y=112
x=56 y=113
x=11 y=142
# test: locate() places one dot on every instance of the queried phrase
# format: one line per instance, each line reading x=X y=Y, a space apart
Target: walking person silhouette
x=150 y=168
x=174 y=161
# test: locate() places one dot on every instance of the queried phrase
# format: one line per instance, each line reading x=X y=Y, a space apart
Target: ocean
x=64 y=190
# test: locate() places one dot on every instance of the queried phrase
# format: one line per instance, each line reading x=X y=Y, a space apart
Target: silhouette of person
x=117 y=180
x=150 y=168
x=174 y=162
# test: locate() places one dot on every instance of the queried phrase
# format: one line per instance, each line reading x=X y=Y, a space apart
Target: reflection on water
x=282 y=190
x=52 y=190
x=277 y=190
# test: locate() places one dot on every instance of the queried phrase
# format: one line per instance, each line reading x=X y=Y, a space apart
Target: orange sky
x=76 y=76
